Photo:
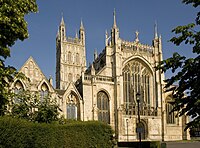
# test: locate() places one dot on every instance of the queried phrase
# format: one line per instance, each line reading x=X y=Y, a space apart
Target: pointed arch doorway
x=142 y=128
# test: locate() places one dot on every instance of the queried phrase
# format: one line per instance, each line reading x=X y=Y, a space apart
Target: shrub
x=21 y=133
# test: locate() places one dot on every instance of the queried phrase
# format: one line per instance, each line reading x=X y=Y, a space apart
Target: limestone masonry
x=106 y=89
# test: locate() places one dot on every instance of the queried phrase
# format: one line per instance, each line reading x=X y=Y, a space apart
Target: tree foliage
x=28 y=105
x=47 y=111
x=186 y=70
x=13 y=28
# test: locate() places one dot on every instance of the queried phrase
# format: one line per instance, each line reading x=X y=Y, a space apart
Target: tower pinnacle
x=82 y=27
x=114 y=19
x=62 y=23
x=155 y=30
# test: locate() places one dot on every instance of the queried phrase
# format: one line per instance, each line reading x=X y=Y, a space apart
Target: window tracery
x=69 y=57
x=70 y=78
x=72 y=107
x=137 y=78
x=18 y=88
x=103 y=107
x=77 y=58
x=44 y=92
x=170 y=116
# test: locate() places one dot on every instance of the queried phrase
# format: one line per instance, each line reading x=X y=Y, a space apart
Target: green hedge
x=144 y=144
x=23 y=134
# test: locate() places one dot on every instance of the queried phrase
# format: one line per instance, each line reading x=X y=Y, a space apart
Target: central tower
x=70 y=56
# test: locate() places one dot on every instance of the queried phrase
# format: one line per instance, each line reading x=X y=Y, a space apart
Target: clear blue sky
x=97 y=16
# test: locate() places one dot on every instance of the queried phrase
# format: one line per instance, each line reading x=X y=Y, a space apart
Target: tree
x=28 y=105
x=186 y=70
x=47 y=111
x=23 y=105
x=13 y=28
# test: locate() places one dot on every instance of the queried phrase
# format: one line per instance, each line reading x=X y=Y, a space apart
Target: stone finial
x=62 y=23
x=92 y=70
x=76 y=36
x=81 y=26
x=106 y=38
x=155 y=31
x=51 y=80
x=136 y=36
x=95 y=54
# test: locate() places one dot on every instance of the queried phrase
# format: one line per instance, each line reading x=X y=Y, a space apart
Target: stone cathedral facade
x=106 y=89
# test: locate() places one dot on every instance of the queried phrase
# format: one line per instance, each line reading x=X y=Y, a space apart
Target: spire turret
x=95 y=54
x=155 y=31
x=62 y=23
x=114 y=19
x=76 y=35
x=81 y=26
x=106 y=38
x=82 y=33
x=114 y=30
x=62 y=30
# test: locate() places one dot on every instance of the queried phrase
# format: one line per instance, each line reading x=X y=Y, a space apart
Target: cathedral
x=120 y=87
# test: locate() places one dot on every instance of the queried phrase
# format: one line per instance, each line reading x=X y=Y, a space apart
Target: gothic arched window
x=72 y=107
x=103 y=107
x=77 y=58
x=18 y=88
x=137 y=77
x=44 y=92
x=69 y=57
x=70 y=78
x=170 y=116
x=65 y=57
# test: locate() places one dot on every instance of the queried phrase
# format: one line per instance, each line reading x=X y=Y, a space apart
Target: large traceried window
x=72 y=107
x=170 y=116
x=44 y=92
x=103 y=107
x=137 y=78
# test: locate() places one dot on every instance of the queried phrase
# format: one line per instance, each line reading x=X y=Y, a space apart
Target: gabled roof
x=71 y=87
x=32 y=70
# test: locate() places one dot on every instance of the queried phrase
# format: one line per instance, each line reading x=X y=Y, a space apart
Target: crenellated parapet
x=73 y=40
x=136 y=46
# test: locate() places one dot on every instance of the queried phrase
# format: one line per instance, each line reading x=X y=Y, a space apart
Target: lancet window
x=44 y=92
x=170 y=116
x=77 y=58
x=72 y=107
x=70 y=77
x=103 y=107
x=18 y=88
x=69 y=57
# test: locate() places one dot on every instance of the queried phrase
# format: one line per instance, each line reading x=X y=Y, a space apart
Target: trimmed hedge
x=23 y=134
x=144 y=144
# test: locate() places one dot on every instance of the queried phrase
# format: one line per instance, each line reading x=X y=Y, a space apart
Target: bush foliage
x=21 y=133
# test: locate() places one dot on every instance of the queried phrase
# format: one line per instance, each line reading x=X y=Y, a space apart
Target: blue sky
x=97 y=16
